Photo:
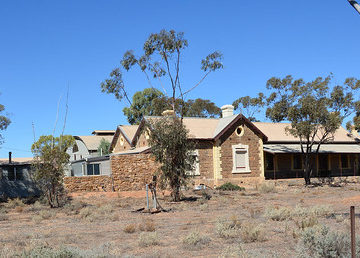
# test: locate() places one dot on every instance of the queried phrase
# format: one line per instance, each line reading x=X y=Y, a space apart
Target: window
x=11 y=173
x=196 y=169
x=269 y=161
x=93 y=169
x=240 y=130
x=240 y=159
x=344 y=160
x=297 y=162
x=75 y=148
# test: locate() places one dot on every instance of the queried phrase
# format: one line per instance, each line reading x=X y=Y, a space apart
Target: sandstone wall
x=132 y=172
x=88 y=183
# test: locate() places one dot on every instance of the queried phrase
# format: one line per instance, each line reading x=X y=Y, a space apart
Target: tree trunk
x=176 y=194
x=307 y=170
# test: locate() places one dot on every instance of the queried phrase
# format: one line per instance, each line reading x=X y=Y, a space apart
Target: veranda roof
x=324 y=148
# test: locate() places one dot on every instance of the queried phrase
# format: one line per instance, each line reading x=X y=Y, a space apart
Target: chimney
x=9 y=157
x=168 y=113
x=227 y=110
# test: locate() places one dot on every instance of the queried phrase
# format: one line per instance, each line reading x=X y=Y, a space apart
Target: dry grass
x=130 y=228
x=147 y=225
x=267 y=187
x=148 y=239
x=12 y=203
x=191 y=231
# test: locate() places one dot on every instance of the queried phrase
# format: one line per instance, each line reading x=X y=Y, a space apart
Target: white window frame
x=196 y=170
x=244 y=148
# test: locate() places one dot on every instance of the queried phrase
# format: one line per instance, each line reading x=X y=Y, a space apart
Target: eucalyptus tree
x=50 y=161
x=249 y=106
x=160 y=62
x=4 y=121
x=314 y=109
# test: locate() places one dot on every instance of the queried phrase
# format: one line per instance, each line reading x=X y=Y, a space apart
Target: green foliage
x=50 y=160
x=149 y=102
x=172 y=149
x=152 y=102
x=230 y=187
x=4 y=121
x=104 y=147
x=314 y=110
x=249 y=106
x=161 y=58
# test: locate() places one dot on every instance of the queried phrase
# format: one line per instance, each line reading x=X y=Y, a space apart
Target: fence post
x=353 y=243
x=147 y=196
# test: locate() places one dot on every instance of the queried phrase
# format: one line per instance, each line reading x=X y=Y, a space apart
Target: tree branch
x=202 y=79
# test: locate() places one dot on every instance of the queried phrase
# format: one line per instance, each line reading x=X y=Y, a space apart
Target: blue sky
x=47 y=45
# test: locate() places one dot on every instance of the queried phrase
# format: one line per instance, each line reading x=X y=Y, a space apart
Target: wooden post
x=147 y=196
x=353 y=242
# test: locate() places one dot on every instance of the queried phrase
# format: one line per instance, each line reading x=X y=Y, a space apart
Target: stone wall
x=88 y=183
x=205 y=150
x=132 y=171
x=249 y=138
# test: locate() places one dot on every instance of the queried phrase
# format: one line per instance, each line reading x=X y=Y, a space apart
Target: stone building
x=228 y=149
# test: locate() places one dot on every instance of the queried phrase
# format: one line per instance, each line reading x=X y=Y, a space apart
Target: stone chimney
x=169 y=112
x=227 y=110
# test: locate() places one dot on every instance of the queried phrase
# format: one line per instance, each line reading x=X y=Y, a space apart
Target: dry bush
x=36 y=206
x=3 y=215
x=251 y=232
x=228 y=228
x=19 y=209
x=147 y=225
x=148 y=239
x=74 y=207
x=306 y=222
x=278 y=213
x=194 y=239
x=37 y=219
x=46 y=214
x=321 y=242
x=130 y=228
x=267 y=187
x=12 y=203
x=234 y=251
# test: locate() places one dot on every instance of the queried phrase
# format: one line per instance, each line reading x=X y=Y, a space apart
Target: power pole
x=355 y=5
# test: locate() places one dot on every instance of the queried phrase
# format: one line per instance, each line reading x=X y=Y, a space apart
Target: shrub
x=36 y=206
x=46 y=214
x=307 y=222
x=227 y=229
x=267 y=187
x=323 y=243
x=12 y=203
x=278 y=214
x=148 y=239
x=147 y=225
x=19 y=209
x=130 y=228
x=194 y=239
x=251 y=232
x=74 y=207
x=3 y=216
x=234 y=251
x=230 y=187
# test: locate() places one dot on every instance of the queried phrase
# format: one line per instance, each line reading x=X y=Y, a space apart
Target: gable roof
x=127 y=130
x=276 y=133
x=205 y=128
x=92 y=142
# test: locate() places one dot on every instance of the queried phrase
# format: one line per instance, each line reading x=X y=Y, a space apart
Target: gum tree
x=4 y=121
x=314 y=110
x=50 y=161
x=160 y=62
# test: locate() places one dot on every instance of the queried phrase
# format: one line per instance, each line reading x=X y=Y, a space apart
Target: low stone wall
x=133 y=171
x=88 y=183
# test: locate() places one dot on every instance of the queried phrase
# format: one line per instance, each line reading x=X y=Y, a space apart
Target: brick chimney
x=227 y=110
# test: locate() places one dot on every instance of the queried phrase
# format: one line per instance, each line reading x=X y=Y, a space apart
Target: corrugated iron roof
x=92 y=142
x=324 y=148
x=16 y=160
x=276 y=133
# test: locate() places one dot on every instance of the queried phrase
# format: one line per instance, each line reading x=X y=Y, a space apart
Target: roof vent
x=227 y=110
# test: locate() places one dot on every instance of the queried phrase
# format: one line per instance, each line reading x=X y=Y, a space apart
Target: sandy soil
x=100 y=228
